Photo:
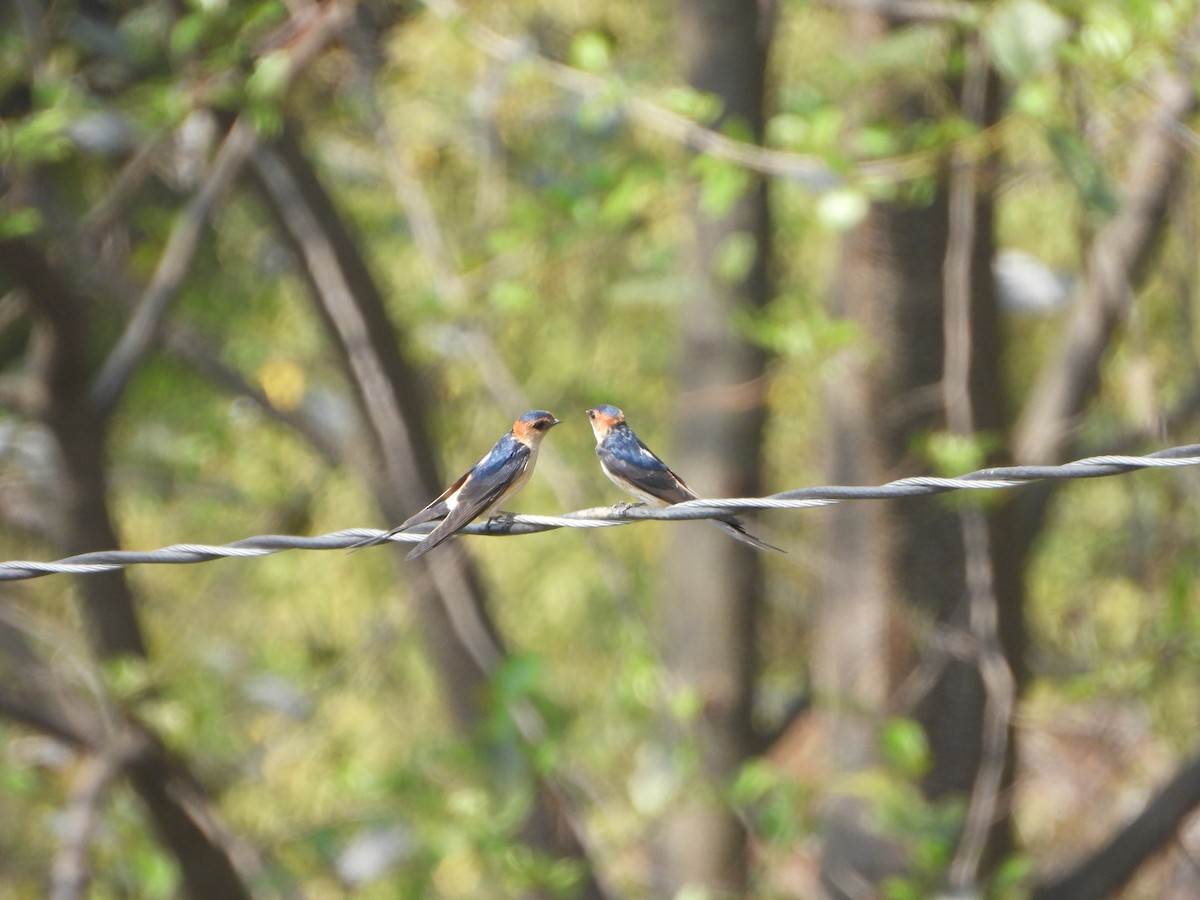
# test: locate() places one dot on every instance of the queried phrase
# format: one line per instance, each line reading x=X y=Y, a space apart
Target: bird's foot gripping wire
x=501 y=520
x=619 y=508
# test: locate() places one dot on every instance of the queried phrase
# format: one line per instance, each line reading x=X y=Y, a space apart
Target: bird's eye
x=540 y=425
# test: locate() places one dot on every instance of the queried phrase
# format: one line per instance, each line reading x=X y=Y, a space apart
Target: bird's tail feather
x=428 y=514
x=434 y=538
x=369 y=542
x=735 y=530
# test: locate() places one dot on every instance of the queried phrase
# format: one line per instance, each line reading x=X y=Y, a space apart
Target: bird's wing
x=484 y=486
x=633 y=462
x=436 y=509
x=628 y=460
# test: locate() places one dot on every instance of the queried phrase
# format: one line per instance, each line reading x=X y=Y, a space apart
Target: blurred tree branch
x=984 y=811
x=32 y=693
x=62 y=351
x=142 y=328
x=195 y=349
x=76 y=400
x=1116 y=262
x=454 y=289
x=809 y=171
x=712 y=592
x=306 y=37
x=463 y=640
x=912 y=10
x=917 y=277
x=70 y=875
x=1105 y=871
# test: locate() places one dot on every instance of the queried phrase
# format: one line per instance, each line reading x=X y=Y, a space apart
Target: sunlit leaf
x=20 y=222
x=842 y=209
x=1023 y=35
x=722 y=184
x=591 y=51
x=905 y=746
x=736 y=257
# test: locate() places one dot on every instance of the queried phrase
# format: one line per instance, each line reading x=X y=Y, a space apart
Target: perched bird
x=631 y=466
x=483 y=487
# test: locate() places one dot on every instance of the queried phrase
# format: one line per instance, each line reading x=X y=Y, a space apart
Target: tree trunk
x=714 y=583
x=899 y=579
x=62 y=353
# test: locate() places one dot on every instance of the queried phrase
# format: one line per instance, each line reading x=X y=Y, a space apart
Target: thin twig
x=70 y=873
x=129 y=181
x=175 y=261
x=452 y=287
x=142 y=327
x=912 y=10
x=1116 y=257
x=192 y=348
x=1103 y=872
x=983 y=618
x=809 y=171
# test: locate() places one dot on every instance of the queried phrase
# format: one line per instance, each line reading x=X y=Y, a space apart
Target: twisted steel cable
x=622 y=514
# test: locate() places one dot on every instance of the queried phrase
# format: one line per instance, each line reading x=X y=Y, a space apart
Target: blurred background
x=289 y=267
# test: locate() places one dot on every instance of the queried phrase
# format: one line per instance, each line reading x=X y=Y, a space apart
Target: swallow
x=633 y=467
x=482 y=488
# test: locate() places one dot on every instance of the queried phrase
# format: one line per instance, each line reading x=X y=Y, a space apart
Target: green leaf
x=754 y=781
x=591 y=51
x=188 y=33
x=877 y=140
x=518 y=676
x=1035 y=98
x=685 y=704
x=266 y=117
x=1107 y=33
x=127 y=676
x=41 y=137
x=722 y=184
x=1023 y=37
x=599 y=111
x=807 y=335
x=1084 y=172
x=901 y=888
x=904 y=746
x=512 y=296
x=953 y=454
x=736 y=257
x=270 y=76
x=697 y=105
x=20 y=222
x=1012 y=875
x=930 y=853
x=787 y=130
x=156 y=875
x=842 y=209
x=630 y=198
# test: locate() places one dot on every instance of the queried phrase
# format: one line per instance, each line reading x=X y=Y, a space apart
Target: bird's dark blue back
x=626 y=446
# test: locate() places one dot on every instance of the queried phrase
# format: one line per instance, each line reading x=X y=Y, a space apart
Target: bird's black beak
x=556 y=422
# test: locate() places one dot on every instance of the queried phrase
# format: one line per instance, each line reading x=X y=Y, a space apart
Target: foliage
x=296 y=686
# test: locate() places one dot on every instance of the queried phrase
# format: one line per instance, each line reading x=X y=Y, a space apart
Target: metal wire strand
x=622 y=514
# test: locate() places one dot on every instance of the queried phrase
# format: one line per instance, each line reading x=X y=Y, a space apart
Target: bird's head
x=532 y=427
x=604 y=418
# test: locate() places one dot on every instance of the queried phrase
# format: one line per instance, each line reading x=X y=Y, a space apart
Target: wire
x=622 y=514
